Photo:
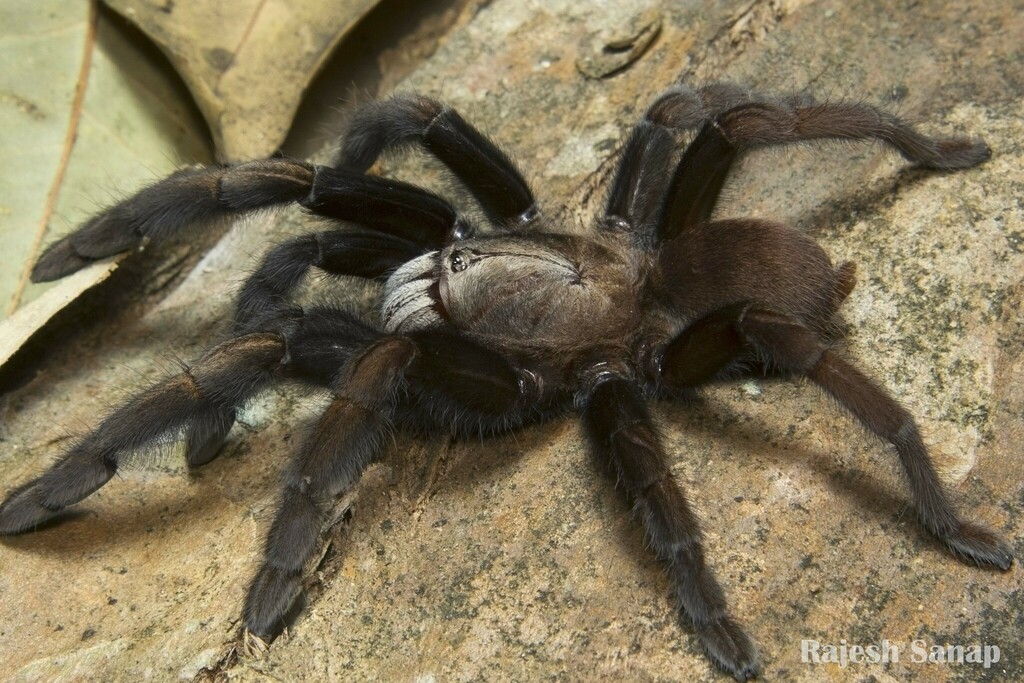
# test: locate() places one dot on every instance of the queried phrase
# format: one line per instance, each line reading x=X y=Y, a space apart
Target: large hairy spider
x=483 y=334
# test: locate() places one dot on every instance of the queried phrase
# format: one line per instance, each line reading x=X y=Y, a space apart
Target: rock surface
x=512 y=558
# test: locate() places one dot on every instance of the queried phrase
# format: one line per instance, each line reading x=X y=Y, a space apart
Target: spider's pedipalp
x=488 y=173
x=198 y=401
x=362 y=253
x=623 y=438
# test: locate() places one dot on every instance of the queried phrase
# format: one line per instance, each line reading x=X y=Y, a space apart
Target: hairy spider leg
x=644 y=171
x=386 y=205
x=481 y=166
x=467 y=386
x=370 y=374
x=349 y=435
x=786 y=344
x=702 y=172
x=886 y=418
x=624 y=439
x=196 y=196
x=638 y=190
x=198 y=401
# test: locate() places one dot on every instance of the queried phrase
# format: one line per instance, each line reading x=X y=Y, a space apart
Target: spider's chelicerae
x=488 y=333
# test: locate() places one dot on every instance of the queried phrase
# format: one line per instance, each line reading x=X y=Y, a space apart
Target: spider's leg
x=362 y=253
x=884 y=416
x=786 y=344
x=701 y=351
x=701 y=173
x=461 y=382
x=622 y=435
x=205 y=436
x=644 y=172
x=472 y=388
x=390 y=206
x=486 y=171
x=469 y=380
x=196 y=196
x=683 y=108
x=200 y=400
x=347 y=438
x=638 y=192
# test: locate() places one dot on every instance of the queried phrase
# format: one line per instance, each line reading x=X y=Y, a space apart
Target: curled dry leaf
x=247 y=63
x=24 y=322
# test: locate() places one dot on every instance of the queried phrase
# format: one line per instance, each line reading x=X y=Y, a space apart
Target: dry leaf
x=27 y=320
x=86 y=118
x=247 y=62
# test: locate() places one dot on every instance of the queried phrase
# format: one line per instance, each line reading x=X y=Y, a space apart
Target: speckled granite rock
x=511 y=559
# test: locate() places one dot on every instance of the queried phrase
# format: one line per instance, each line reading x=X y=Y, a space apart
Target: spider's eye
x=459 y=262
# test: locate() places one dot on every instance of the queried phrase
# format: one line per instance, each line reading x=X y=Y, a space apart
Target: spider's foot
x=58 y=260
x=975 y=544
x=22 y=511
x=730 y=648
x=270 y=597
x=957 y=153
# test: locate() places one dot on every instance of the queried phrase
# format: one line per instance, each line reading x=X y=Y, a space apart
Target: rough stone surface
x=512 y=558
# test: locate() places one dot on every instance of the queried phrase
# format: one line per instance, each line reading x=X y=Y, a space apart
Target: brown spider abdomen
x=774 y=266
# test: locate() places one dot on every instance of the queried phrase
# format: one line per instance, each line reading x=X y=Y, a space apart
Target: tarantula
x=483 y=334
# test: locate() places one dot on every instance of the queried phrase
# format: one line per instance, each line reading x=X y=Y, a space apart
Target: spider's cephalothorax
x=524 y=322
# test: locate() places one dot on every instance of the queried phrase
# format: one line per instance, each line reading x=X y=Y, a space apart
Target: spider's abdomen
x=548 y=291
x=727 y=262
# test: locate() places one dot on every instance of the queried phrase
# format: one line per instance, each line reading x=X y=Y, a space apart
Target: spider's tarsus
x=21 y=511
x=726 y=644
x=59 y=259
x=206 y=437
x=253 y=645
x=271 y=595
x=958 y=153
x=973 y=544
